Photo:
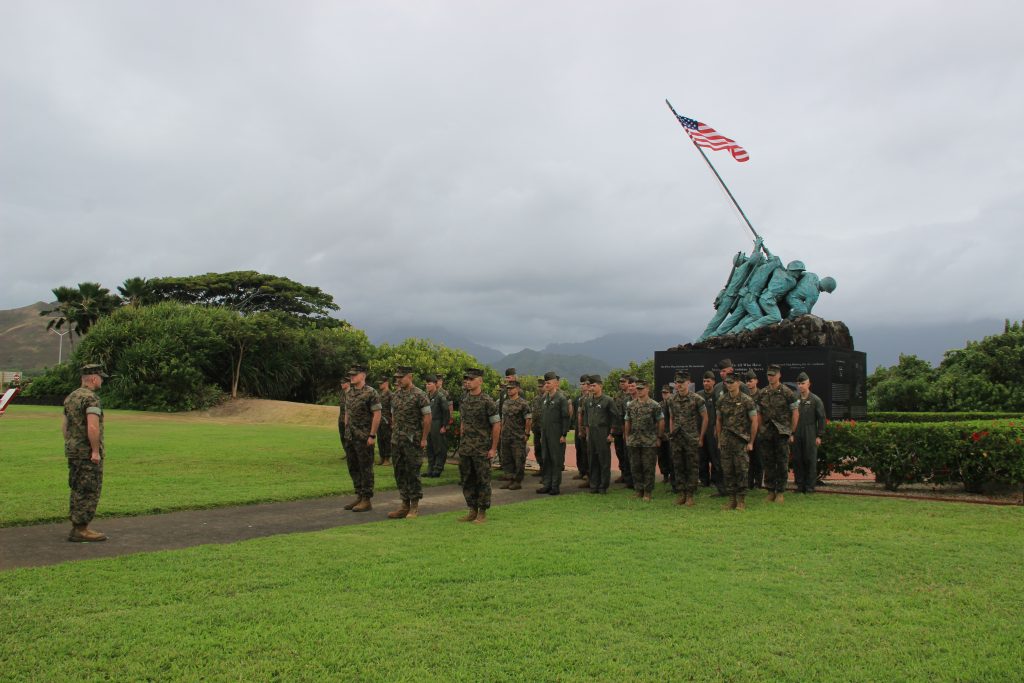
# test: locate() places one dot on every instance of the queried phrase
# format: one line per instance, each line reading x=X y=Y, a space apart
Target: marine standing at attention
x=362 y=418
x=82 y=427
x=736 y=429
x=807 y=436
x=516 y=422
x=644 y=425
x=480 y=429
x=688 y=425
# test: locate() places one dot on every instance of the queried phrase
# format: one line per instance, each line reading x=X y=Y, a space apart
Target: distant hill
x=25 y=345
x=530 y=362
x=618 y=348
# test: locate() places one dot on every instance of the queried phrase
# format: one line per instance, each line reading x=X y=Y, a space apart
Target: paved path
x=43 y=544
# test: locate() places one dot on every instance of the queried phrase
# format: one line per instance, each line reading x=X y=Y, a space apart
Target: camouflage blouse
x=408 y=406
x=687 y=413
x=514 y=414
x=736 y=414
x=643 y=417
x=361 y=404
x=80 y=403
x=477 y=413
x=776 y=407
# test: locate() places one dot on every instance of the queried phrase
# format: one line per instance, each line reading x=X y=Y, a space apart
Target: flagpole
x=715 y=171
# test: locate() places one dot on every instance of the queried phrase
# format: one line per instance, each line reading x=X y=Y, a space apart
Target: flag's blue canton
x=689 y=123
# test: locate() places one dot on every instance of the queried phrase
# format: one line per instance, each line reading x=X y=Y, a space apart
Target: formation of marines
x=732 y=435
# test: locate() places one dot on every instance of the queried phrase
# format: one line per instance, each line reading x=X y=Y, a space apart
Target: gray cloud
x=510 y=171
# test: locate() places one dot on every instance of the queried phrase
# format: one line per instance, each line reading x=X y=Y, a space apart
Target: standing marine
x=82 y=426
x=516 y=424
x=688 y=425
x=480 y=429
x=736 y=429
x=410 y=417
x=807 y=436
x=362 y=418
x=777 y=405
x=554 y=425
x=643 y=427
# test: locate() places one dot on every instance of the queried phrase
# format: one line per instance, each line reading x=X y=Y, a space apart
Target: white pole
x=60 y=351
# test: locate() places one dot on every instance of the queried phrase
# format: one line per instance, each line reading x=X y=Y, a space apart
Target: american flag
x=704 y=135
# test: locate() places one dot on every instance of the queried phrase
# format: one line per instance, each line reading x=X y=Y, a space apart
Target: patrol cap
x=666 y=388
x=682 y=376
x=640 y=384
x=724 y=363
x=512 y=383
x=402 y=370
x=383 y=380
x=774 y=370
x=584 y=379
x=749 y=375
x=730 y=378
x=430 y=378
x=93 y=369
x=356 y=369
x=632 y=378
x=551 y=375
x=540 y=381
x=802 y=377
x=623 y=379
x=509 y=372
x=709 y=375
x=472 y=373
x=596 y=379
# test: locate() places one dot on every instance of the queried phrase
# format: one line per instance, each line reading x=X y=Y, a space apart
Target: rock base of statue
x=807 y=330
x=821 y=348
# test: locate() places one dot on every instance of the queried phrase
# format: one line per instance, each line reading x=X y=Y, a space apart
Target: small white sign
x=6 y=398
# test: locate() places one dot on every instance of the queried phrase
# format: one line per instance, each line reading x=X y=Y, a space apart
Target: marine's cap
x=540 y=381
x=724 y=363
x=384 y=380
x=623 y=379
x=472 y=373
x=709 y=375
x=430 y=378
x=93 y=369
x=774 y=370
x=596 y=379
x=730 y=378
x=512 y=383
x=402 y=370
x=749 y=375
x=802 y=377
x=356 y=369
x=584 y=379
x=509 y=372
x=682 y=376
x=666 y=388
x=640 y=384
x=632 y=378
x=551 y=374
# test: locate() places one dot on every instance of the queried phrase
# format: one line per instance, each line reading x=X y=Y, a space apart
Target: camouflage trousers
x=406 y=457
x=775 y=455
x=685 y=457
x=475 y=473
x=360 y=466
x=85 y=479
x=642 y=460
x=734 y=463
x=344 y=441
x=384 y=441
x=514 y=449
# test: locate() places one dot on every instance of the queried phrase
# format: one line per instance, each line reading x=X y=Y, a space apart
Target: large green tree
x=80 y=307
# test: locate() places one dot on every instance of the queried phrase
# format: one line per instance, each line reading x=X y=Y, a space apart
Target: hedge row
x=977 y=454
x=939 y=417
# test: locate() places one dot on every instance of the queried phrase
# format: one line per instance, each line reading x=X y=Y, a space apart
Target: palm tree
x=137 y=291
x=80 y=307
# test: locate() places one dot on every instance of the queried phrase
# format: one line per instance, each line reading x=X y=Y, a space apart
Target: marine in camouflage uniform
x=644 y=424
x=537 y=408
x=664 y=444
x=437 y=442
x=346 y=386
x=777 y=405
x=601 y=414
x=736 y=428
x=85 y=454
x=621 y=449
x=709 y=467
x=384 y=430
x=688 y=425
x=807 y=436
x=505 y=461
x=516 y=421
x=410 y=417
x=481 y=425
x=362 y=418
x=755 y=470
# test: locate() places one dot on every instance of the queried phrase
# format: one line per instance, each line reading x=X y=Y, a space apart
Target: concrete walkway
x=44 y=544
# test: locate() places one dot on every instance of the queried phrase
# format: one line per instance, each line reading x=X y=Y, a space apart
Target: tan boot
x=470 y=516
x=638 y=494
x=400 y=513
x=647 y=498
x=357 y=501
x=779 y=498
x=363 y=506
x=481 y=517
x=741 y=503
x=681 y=500
x=689 y=500
x=771 y=496
x=414 y=510
x=731 y=505
x=81 y=533
x=515 y=486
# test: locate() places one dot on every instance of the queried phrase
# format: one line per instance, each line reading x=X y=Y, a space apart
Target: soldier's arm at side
x=755 y=422
x=374 y=425
x=93 y=428
x=495 y=435
x=703 y=427
x=427 y=418
x=718 y=426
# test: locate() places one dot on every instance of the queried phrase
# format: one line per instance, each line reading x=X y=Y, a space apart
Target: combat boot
x=731 y=505
x=741 y=503
x=771 y=496
x=779 y=498
x=506 y=485
x=515 y=486
x=81 y=533
x=681 y=500
x=481 y=517
x=647 y=498
x=470 y=516
x=414 y=510
x=689 y=500
x=400 y=513
x=363 y=506
x=638 y=494
x=584 y=484
x=355 y=502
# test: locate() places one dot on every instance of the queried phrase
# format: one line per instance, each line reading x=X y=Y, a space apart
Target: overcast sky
x=509 y=170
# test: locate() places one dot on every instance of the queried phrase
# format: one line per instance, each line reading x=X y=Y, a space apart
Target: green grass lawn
x=158 y=462
x=826 y=588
